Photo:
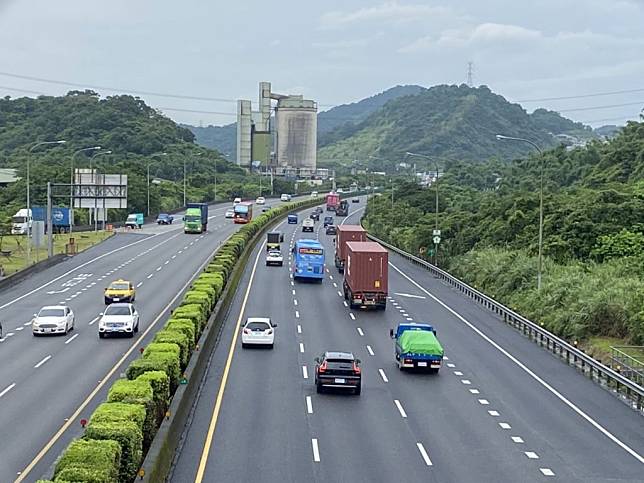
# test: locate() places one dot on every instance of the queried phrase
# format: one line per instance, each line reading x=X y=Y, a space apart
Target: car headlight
x=34 y=322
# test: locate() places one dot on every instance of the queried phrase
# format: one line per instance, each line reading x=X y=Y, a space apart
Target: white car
x=260 y=200
x=236 y=201
x=308 y=225
x=274 y=257
x=119 y=319
x=258 y=331
x=285 y=197
x=314 y=194
x=53 y=319
x=230 y=213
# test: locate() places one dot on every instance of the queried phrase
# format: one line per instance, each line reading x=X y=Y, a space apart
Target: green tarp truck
x=417 y=347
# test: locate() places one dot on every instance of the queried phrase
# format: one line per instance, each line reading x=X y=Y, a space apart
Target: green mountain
x=135 y=133
x=445 y=123
x=221 y=138
x=347 y=115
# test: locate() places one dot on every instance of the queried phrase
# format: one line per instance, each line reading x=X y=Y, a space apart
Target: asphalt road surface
x=48 y=384
x=500 y=410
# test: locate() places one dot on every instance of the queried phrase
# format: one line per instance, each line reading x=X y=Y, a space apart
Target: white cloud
x=503 y=32
x=388 y=11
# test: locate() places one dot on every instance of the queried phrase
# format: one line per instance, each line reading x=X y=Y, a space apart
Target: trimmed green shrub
x=207 y=289
x=141 y=366
x=137 y=392
x=130 y=438
x=192 y=312
x=84 y=474
x=119 y=411
x=185 y=326
x=161 y=389
x=178 y=339
x=169 y=362
x=97 y=460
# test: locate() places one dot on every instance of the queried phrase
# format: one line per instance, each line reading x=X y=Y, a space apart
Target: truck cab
x=416 y=347
x=273 y=240
x=134 y=220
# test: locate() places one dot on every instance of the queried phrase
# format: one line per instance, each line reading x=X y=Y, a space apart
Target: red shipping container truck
x=344 y=234
x=366 y=275
x=332 y=201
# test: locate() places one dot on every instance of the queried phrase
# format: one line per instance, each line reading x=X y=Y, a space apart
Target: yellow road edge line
x=222 y=387
x=100 y=385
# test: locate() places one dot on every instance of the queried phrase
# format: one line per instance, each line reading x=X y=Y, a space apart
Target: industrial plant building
x=289 y=149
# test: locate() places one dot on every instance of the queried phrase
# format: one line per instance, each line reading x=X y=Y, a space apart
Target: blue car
x=292 y=219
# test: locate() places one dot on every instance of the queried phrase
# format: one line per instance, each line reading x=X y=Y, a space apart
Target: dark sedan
x=330 y=230
x=165 y=219
x=315 y=216
x=339 y=370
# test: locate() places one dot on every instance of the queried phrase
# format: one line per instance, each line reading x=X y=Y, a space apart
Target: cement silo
x=296 y=125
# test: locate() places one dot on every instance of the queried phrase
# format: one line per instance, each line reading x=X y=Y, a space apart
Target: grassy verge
x=17 y=245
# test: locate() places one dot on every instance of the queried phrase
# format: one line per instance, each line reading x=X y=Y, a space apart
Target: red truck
x=332 y=201
x=344 y=234
x=366 y=275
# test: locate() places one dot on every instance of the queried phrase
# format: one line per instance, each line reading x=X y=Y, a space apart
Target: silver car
x=53 y=319
x=119 y=319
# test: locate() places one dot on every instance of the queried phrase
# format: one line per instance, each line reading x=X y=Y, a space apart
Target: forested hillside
x=593 y=233
x=449 y=123
x=136 y=135
x=221 y=138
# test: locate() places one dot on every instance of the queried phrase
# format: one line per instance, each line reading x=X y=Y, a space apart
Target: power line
x=594 y=108
x=582 y=96
x=195 y=111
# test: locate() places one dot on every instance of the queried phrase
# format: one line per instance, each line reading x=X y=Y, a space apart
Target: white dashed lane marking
x=45 y=359
x=383 y=375
x=370 y=350
x=7 y=389
x=400 y=408
x=71 y=338
x=424 y=454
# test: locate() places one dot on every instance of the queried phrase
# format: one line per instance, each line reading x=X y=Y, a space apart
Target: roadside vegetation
x=593 y=279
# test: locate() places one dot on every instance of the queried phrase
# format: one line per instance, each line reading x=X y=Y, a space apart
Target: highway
x=500 y=410
x=48 y=384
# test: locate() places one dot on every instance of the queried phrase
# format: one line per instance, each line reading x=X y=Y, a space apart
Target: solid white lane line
x=71 y=338
x=91 y=322
x=528 y=371
x=505 y=426
x=45 y=359
x=493 y=413
x=370 y=350
x=547 y=472
x=309 y=405
x=301 y=347
x=382 y=374
x=517 y=439
x=299 y=329
x=360 y=331
x=7 y=389
x=316 y=450
x=151 y=275
x=139 y=284
x=424 y=454
x=305 y=372
x=532 y=455
x=466 y=382
x=353 y=317
x=400 y=408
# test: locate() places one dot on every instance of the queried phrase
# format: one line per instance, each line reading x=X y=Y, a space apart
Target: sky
x=334 y=52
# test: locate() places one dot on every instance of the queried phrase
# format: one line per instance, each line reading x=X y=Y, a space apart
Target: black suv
x=338 y=370
x=328 y=220
x=330 y=230
x=315 y=216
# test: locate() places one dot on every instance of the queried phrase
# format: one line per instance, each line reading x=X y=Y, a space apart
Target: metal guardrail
x=625 y=388
x=629 y=366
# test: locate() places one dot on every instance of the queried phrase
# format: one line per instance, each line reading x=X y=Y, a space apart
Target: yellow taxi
x=120 y=291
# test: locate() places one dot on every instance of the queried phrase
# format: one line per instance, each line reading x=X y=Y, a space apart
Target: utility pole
x=184 y=182
x=50 y=239
x=470 y=74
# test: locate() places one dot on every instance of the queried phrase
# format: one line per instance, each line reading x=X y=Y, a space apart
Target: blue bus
x=309 y=260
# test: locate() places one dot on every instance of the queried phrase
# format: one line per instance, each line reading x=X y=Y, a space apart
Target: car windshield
x=339 y=364
x=274 y=254
x=193 y=218
x=163 y=215
x=117 y=310
x=119 y=286
x=51 y=313
x=258 y=326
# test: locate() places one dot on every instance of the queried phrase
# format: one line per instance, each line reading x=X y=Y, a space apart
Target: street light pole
x=29 y=222
x=148 y=178
x=71 y=185
x=436 y=185
x=95 y=179
x=500 y=137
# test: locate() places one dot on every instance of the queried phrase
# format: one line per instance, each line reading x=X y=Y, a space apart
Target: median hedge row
x=121 y=430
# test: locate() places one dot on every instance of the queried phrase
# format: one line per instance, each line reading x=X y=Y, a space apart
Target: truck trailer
x=342 y=209
x=344 y=234
x=366 y=275
x=416 y=347
x=332 y=201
